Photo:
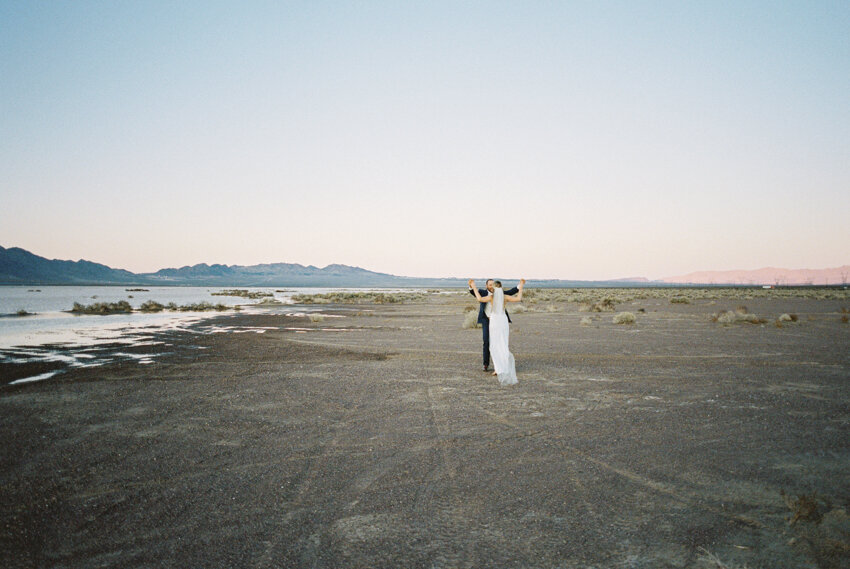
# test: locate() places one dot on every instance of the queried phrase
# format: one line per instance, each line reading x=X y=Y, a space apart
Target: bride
x=503 y=359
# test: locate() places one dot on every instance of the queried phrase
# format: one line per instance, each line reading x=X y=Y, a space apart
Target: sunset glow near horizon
x=572 y=140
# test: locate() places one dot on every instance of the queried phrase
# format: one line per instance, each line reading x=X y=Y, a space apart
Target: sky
x=574 y=140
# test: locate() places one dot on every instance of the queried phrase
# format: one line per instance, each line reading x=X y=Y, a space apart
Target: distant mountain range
x=768 y=276
x=18 y=266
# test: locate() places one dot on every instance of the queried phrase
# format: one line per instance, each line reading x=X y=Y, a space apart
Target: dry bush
x=358 y=298
x=604 y=305
x=804 y=507
x=624 y=318
x=680 y=300
x=243 y=293
x=845 y=319
x=470 y=320
x=715 y=561
x=787 y=318
x=151 y=306
x=518 y=308
x=586 y=321
x=120 y=307
x=736 y=317
x=316 y=317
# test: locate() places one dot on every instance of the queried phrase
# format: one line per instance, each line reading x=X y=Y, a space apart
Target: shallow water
x=50 y=324
x=52 y=335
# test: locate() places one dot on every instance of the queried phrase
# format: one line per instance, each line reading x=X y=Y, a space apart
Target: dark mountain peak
x=20 y=266
x=195 y=271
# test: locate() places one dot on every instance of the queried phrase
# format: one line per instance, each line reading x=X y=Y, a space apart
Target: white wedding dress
x=500 y=353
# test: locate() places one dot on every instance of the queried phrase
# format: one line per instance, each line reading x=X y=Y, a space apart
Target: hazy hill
x=768 y=276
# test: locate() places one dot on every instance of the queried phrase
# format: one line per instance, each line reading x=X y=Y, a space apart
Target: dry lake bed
x=371 y=438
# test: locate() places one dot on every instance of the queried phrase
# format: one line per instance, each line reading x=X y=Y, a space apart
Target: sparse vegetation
x=585 y=321
x=680 y=300
x=103 y=308
x=787 y=318
x=269 y=301
x=151 y=306
x=358 y=298
x=242 y=293
x=202 y=307
x=316 y=317
x=623 y=295
x=804 y=507
x=470 y=320
x=123 y=307
x=136 y=290
x=737 y=317
x=624 y=318
x=23 y=312
x=604 y=305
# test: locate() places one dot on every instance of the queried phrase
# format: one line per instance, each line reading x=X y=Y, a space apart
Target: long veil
x=503 y=359
x=498 y=301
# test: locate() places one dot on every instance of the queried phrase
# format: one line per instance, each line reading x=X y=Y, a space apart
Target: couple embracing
x=494 y=322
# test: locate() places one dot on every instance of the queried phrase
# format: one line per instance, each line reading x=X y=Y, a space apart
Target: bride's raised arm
x=477 y=294
x=518 y=296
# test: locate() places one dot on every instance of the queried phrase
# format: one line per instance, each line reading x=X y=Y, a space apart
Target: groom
x=484 y=318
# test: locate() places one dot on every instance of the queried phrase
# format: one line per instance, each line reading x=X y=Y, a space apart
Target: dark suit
x=485 y=322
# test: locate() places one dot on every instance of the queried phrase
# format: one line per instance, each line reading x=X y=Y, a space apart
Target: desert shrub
x=357 y=298
x=680 y=300
x=845 y=319
x=470 y=320
x=787 y=318
x=268 y=301
x=604 y=305
x=806 y=507
x=202 y=307
x=736 y=317
x=151 y=306
x=23 y=312
x=103 y=308
x=316 y=317
x=741 y=309
x=518 y=308
x=242 y=293
x=585 y=321
x=624 y=318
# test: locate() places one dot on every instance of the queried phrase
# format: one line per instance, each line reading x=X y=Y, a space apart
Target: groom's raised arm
x=512 y=291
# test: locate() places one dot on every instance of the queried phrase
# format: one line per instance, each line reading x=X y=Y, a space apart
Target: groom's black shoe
x=486 y=369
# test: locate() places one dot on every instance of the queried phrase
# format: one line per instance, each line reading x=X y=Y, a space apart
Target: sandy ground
x=375 y=440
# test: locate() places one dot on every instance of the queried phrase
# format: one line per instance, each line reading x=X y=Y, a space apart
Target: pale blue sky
x=577 y=140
